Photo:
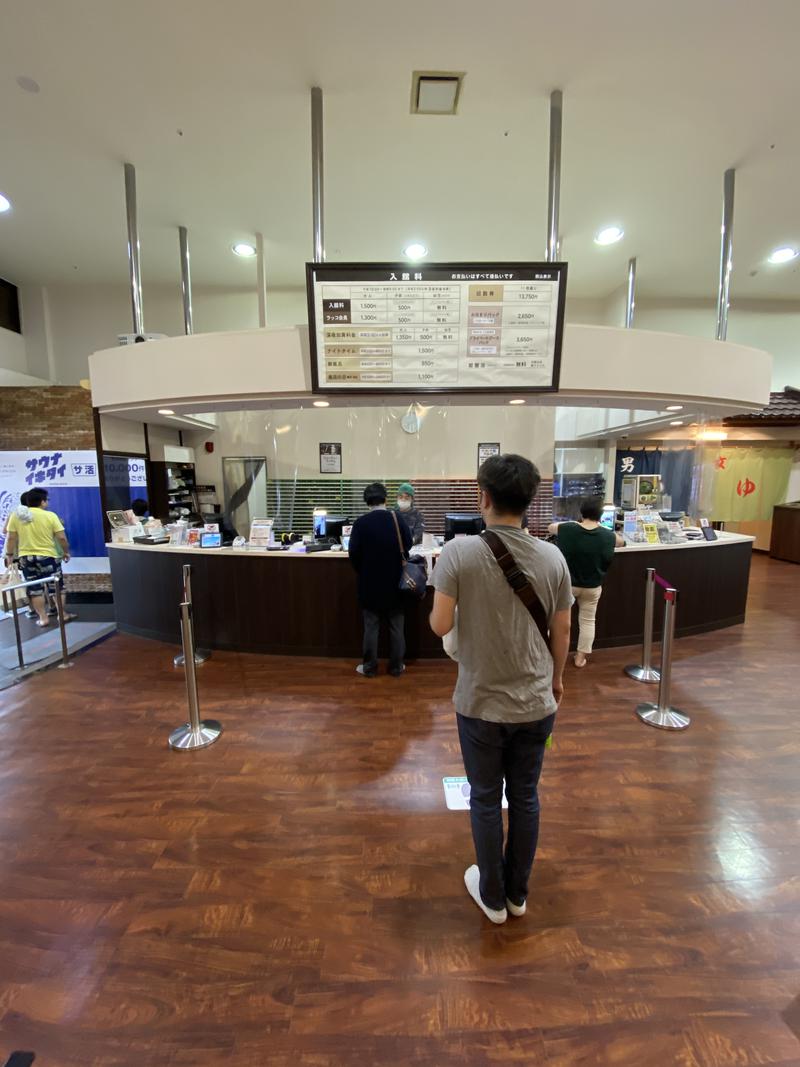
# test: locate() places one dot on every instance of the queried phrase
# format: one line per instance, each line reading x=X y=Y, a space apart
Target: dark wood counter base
x=307 y=607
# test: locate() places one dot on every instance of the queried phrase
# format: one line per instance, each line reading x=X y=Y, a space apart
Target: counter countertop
x=722 y=539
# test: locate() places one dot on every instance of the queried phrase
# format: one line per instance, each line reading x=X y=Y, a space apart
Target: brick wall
x=57 y=416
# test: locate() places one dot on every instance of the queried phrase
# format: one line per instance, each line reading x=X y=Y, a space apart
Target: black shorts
x=36 y=567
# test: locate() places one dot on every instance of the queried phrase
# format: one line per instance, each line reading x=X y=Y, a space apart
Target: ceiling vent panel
x=435 y=92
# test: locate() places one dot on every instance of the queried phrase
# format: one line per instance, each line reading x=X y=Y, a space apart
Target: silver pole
x=57 y=585
x=133 y=248
x=554 y=176
x=186 y=281
x=662 y=714
x=196 y=733
x=200 y=654
x=261 y=281
x=630 y=302
x=317 y=175
x=645 y=672
x=726 y=254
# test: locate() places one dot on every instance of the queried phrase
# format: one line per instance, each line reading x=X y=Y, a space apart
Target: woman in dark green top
x=588 y=549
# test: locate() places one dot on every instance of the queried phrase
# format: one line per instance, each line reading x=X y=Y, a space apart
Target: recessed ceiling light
x=242 y=248
x=520 y=401
x=322 y=404
x=674 y=407
x=783 y=255
x=609 y=235
x=166 y=411
x=5 y=204
x=677 y=422
x=415 y=250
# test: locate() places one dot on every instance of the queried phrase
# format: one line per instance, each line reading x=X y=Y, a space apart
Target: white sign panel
x=456 y=794
x=439 y=328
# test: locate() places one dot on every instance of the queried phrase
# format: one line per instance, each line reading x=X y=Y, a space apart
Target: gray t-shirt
x=505 y=670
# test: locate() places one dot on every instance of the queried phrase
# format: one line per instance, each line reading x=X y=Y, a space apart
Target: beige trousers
x=587 y=609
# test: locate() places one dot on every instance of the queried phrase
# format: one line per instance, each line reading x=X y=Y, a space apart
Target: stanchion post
x=196 y=733
x=13 y=594
x=662 y=714
x=200 y=654
x=646 y=672
x=65 y=663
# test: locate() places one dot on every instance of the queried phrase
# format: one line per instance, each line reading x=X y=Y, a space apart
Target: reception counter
x=295 y=604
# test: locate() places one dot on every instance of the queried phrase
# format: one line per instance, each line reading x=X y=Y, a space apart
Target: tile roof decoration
x=783 y=409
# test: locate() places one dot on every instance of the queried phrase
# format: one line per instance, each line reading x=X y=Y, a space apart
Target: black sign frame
x=479 y=270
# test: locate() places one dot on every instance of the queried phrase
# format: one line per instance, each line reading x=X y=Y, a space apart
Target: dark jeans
x=397 y=639
x=514 y=751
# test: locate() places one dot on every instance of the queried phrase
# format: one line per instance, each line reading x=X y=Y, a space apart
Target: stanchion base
x=185 y=738
x=200 y=656
x=663 y=718
x=643 y=674
x=65 y=666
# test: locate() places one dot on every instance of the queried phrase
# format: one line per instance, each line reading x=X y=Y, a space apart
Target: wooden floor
x=293 y=895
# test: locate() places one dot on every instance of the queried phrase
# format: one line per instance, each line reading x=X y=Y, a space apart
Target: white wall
x=771 y=325
x=63 y=324
x=12 y=352
x=373 y=442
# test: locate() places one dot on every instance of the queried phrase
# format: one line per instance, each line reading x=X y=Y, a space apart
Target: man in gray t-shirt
x=509 y=681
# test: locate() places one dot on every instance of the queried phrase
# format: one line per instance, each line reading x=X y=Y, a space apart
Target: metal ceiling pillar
x=186 y=281
x=630 y=299
x=726 y=255
x=554 y=176
x=134 y=262
x=261 y=282
x=317 y=175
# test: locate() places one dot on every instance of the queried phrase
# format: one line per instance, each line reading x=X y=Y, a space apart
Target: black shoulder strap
x=518 y=582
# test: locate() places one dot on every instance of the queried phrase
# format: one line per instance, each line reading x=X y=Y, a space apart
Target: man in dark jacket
x=375 y=554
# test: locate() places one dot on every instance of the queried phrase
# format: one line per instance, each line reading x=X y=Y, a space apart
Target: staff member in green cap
x=413 y=516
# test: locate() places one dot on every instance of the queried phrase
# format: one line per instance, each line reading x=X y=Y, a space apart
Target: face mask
x=404 y=505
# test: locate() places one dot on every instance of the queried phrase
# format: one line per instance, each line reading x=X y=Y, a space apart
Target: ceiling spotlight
x=5 y=204
x=674 y=407
x=609 y=236
x=783 y=255
x=415 y=250
x=677 y=422
x=519 y=401
x=166 y=411
x=242 y=248
x=322 y=404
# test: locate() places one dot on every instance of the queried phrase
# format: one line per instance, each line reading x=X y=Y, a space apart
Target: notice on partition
x=330 y=457
x=440 y=328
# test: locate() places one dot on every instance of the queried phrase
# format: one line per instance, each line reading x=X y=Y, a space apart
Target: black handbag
x=413 y=576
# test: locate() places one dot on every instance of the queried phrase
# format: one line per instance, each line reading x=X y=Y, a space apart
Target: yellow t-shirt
x=37 y=537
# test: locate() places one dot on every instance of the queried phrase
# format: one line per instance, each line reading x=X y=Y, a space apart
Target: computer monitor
x=608 y=516
x=461 y=522
x=332 y=526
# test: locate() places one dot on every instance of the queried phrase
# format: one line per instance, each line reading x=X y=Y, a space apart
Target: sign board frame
x=476 y=269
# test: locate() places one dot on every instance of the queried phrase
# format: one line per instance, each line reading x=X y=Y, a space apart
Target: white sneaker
x=517 y=909
x=472 y=880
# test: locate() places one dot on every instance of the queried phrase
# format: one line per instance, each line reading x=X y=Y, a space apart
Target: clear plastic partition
x=286 y=463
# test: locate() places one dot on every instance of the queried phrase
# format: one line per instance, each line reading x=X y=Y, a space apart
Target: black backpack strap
x=518 y=582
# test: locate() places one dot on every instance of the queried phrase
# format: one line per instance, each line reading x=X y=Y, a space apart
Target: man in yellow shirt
x=35 y=538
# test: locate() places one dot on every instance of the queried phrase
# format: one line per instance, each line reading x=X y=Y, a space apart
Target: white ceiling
x=659 y=98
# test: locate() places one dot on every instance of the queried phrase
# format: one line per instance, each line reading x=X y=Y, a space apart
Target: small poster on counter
x=330 y=457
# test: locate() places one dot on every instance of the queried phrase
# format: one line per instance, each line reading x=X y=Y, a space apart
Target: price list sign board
x=443 y=328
